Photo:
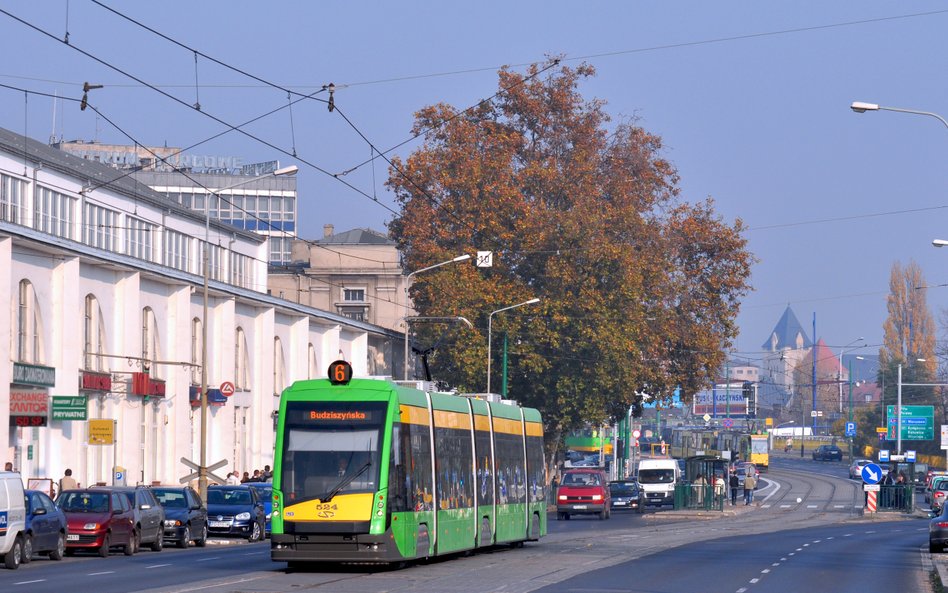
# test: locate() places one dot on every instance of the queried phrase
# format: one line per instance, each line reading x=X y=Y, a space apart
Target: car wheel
x=14 y=557
x=202 y=540
x=104 y=548
x=159 y=542
x=132 y=546
x=27 y=548
x=256 y=533
x=185 y=537
x=57 y=554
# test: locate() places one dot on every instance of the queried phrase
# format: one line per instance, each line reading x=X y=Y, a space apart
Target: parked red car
x=98 y=521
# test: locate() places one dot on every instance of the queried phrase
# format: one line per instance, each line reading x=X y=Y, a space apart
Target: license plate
x=621 y=503
x=72 y=537
x=218 y=523
x=579 y=506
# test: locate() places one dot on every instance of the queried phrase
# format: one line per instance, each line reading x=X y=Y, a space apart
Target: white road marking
x=29 y=582
x=765 y=506
x=754 y=581
x=839 y=506
x=792 y=554
x=95 y=574
x=158 y=565
x=741 y=590
x=784 y=559
x=806 y=545
x=785 y=506
x=850 y=535
x=208 y=559
x=775 y=564
x=765 y=571
x=811 y=506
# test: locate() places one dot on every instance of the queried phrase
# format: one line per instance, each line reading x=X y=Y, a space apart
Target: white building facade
x=104 y=283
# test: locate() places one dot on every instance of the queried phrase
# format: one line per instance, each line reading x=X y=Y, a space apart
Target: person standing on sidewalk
x=750 y=482
x=735 y=484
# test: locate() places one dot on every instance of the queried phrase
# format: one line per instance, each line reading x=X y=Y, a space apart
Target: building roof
x=356 y=237
x=97 y=175
x=786 y=333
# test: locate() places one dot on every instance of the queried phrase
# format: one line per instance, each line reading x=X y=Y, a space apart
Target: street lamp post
x=839 y=375
x=464 y=257
x=490 y=319
x=202 y=469
x=860 y=107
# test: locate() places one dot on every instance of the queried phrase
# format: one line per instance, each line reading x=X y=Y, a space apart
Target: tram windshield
x=331 y=449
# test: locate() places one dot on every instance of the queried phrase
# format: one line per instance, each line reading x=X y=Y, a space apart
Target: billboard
x=725 y=400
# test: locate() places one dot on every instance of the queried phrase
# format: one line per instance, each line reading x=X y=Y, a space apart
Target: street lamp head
x=531 y=301
x=291 y=170
x=860 y=107
x=462 y=257
x=939 y=242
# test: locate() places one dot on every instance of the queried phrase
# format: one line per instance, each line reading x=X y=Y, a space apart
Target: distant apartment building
x=356 y=273
x=266 y=206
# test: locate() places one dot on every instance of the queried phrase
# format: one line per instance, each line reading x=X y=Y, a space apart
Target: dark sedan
x=938 y=532
x=265 y=490
x=626 y=494
x=185 y=515
x=827 y=453
x=235 y=510
x=46 y=527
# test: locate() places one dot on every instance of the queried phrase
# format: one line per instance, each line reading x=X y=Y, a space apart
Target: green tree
x=639 y=289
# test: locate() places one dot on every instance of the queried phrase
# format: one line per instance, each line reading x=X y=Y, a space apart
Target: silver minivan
x=12 y=519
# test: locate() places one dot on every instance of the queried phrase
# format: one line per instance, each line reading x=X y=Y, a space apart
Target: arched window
x=312 y=371
x=197 y=340
x=151 y=344
x=279 y=368
x=29 y=326
x=93 y=332
x=241 y=362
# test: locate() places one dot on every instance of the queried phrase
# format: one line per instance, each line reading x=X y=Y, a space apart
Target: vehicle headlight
x=172 y=523
x=597 y=496
x=562 y=497
x=243 y=517
x=90 y=526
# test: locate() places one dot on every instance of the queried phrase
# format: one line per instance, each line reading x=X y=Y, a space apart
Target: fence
x=700 y=496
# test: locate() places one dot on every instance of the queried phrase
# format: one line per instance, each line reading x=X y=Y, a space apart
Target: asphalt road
x=804 y=533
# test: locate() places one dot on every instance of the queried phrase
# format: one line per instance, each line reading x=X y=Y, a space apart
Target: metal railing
x=898 y=498
x=703 y=497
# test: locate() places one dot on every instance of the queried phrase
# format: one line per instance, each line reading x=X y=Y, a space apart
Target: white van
x=657 y=479
x=12 y=519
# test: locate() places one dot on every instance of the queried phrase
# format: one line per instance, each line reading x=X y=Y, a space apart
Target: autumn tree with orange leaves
x=639 y=289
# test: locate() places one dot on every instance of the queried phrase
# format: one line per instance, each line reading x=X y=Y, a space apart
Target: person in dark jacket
x=735 y=485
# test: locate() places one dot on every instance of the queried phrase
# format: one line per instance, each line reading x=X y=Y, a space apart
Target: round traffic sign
x=227 y=389
x=636 y=434
x=871 y=473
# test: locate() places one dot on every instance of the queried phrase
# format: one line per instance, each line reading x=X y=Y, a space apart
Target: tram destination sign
x=918 y=423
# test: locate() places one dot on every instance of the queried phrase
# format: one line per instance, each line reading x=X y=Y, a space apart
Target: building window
x=11 y=199
x=351 y=295
x=151 y=345
x=139 y=238
x=312 y=371
x=240 y=268
x=177 y=251
x=241 y=362
x=99 y=227
x=279 y=372
x=355 y=313
x=54 y=213
x=215 y=270
x=29 y=347
x=93 y=330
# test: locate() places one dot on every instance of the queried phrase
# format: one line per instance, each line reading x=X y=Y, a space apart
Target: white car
x=855 y=469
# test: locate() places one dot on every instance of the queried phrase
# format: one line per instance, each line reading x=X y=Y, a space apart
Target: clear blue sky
x=752 y=100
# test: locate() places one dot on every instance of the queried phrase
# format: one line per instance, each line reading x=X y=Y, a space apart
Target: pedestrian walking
x=67 y=482
x=750 y=482
x=735 y=483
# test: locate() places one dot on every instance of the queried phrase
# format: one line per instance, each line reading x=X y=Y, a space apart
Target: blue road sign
x=727 y=423
x=871 y=473
x=850 y=429
x=884 y=455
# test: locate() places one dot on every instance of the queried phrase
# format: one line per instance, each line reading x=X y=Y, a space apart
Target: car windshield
x=581 y=480
x=84 y=502
x=656 y=476
x=172 y=499
x=229 y=497
x=264 y=492
x=623 y=489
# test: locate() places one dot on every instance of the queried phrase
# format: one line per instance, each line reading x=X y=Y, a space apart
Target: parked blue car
x=265 y=492
x=46 y=527
x=235 y=510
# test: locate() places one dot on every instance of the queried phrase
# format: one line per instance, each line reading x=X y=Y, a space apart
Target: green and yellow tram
x=369 y=471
